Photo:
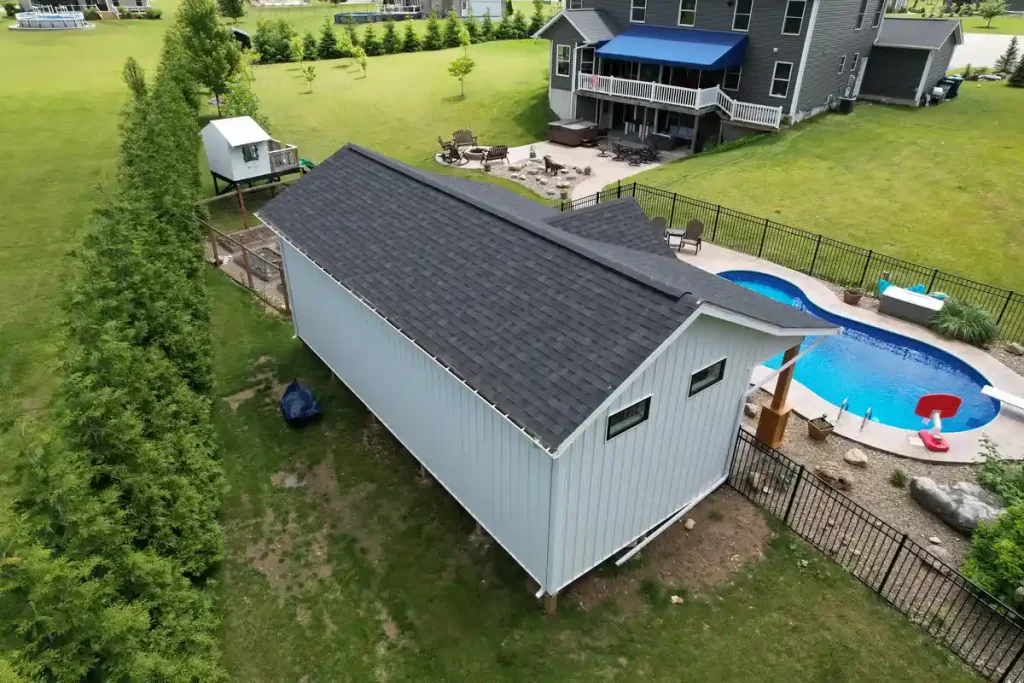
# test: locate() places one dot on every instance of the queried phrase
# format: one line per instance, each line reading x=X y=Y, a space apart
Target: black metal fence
x=812 y=253
x=977 y=627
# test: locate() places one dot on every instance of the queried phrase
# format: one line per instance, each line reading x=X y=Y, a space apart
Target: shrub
x=371 y=43
x=242 y=101
x=309 y=47
x=1001 y=475
x=411 y=41
x=537 y=19
x=272 y=40
x=519 y=28
x=91 y=13
x=1007 y=62
x=10 y=9
x=154 y=13
x=964 y=321
x=1017 y=77
x=433 y=40
x=472 y=27
x=487 y=27
x=452 y=26
x=899 y=478
x=503 y=31
x=328 y=47
x=996 y=558
x=391 y=43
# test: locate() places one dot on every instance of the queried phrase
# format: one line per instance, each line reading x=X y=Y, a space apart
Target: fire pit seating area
x=463 y=148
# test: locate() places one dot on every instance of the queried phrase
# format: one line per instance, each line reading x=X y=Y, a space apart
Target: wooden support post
x=284 y=290
x=213 y=244
x=241 y=206
x=551 y=604
x=696 y=125
x=771 y=426
x=245 y=262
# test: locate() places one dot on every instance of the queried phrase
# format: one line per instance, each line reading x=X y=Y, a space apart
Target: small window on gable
x=575 y=4
x=630 y=417
x=741 y=15
x=793 y=22
x=709 y=376
x=842 y=64
x=250 y=153
x=563 y=56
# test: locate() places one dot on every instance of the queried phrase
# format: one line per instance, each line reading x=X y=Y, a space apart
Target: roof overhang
x=956 y=30
x=713 y=311
x=685 y=47
x=590 y=35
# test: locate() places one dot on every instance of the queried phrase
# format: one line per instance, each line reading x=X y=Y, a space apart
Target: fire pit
x=475 y=153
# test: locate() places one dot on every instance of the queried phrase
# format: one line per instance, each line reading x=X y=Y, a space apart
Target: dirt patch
x=288 y=480
x=235 y=400
x=729 y=533
x=277 y=557
x=344 y=508
x=302 y=615
x=389 y=626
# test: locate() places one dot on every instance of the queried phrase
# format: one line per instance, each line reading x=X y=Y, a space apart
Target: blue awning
x=686 y=47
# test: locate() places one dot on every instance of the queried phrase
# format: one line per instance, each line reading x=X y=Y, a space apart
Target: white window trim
x=593 y=59
x=578 y=4
x=567 y=61
x=789 y=81
x=855 y=63
x=876 y=20
x=750 y=16
x=862 y=15
x=842 y=64
x=632 y=7
x=803 y=15
x=679 y=16
x=739 y=77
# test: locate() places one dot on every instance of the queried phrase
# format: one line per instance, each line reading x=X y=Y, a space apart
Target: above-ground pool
x=50 y=20
x=876 y=369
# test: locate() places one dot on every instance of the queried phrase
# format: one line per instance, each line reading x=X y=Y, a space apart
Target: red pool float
x=934 y=407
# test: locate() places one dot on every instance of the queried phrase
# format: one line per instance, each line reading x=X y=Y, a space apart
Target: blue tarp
x=298 y=404
x=686 y=47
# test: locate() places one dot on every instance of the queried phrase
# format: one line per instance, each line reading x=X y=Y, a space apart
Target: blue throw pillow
x=882 y=286
x=918 y=289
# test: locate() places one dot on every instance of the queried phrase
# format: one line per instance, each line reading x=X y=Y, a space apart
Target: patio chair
x=551 y=167
x=464 y=138
x=603 y=145
x=444 y=144
x=693 y=236
x=496 y=153
x=452 y=155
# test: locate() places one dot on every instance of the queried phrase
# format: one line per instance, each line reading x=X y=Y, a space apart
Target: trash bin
x=846 y=105
x=954 y=86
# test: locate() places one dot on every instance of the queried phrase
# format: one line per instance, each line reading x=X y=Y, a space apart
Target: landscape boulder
x=833 y=477
x=962 y=506
x=939 y=556
x=856 y=457
x=1015 y=348
x=750 y=409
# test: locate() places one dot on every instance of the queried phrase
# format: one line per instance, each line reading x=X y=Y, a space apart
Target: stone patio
x=1007 y=429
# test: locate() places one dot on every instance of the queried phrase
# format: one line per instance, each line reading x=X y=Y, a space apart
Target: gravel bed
x=871 y=487
x=530 y=173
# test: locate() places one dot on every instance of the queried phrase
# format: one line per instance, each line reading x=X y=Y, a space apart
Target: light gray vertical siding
x=607 y=493
x=501 y=477
x=835 y=35
x=561 y=33
x=894 y=73
x=940 y=63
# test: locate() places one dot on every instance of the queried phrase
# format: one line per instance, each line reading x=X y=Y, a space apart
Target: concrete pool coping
x=1006 y=430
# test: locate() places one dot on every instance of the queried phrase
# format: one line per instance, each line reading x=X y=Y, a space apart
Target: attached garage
x=909 y=57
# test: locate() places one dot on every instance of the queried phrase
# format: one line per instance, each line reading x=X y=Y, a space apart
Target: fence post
x=213 y=243
x=672 y=213
x=1006 y=303
x=931 y=283
x=1013 y=663
x=718 y=213
x=248 y=270
x=814 y=259
x=634 y=190
x=618 y=187
x=789 y=505
x=888 y=571
x=867 y=262
x=764 y=236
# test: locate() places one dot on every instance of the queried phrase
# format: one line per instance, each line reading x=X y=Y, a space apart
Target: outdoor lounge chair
x=693 y=235
x=496 y=154
x=464 y=138
x=551 y=166
x=451 y=155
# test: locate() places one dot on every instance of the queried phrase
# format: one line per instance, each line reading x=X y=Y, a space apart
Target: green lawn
x=939 y=186
x=1008 y=24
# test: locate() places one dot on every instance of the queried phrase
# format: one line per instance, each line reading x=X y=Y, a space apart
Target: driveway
x=980 y=49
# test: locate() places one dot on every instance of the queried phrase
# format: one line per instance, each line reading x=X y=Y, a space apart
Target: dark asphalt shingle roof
x=926 y=34
x=620 y=222
x=542 y=323
x=593 y=25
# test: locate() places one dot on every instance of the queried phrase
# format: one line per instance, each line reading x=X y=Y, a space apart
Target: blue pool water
x=875 y=368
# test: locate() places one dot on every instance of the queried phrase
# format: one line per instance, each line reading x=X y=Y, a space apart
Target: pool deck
x=1006 y=430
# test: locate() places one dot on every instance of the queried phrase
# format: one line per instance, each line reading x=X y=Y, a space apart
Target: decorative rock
x=514 y=167
x=689 y=524
x=1015 y=348
x=940 y=555
x=563 y=171
x=571 y=176
x=533 y=171
x=1018 y=594
x=754 y=480
x=833 y=477
x=856 y=457
x=962 y=506
x=750 y=409
x=543 y=181
x=935 y=540
x=563 y=186
x=676 y=600
x=550 y=193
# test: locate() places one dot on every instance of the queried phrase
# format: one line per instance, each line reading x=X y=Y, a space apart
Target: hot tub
x=572 y=132
x=50 y=21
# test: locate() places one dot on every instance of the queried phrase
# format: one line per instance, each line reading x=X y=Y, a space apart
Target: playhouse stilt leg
x=551 y=604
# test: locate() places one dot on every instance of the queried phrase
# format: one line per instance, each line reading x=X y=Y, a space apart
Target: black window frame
x=776 y=78
x=575 y=4
x=644 y=404
x=732 y=71
x=861 y=13
x=877 y=19
x=592 y=61
x=691 y=11
x=719 y=365
x=250 y=153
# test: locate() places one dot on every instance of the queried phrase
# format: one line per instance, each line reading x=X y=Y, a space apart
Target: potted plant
x=819 y=428
x=852 y=295
x=533 y=152
x=487 y=167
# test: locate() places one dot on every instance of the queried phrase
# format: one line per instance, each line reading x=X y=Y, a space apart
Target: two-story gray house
x=690 y=71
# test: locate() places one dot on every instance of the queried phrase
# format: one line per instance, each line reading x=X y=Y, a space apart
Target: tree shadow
x=453 y=98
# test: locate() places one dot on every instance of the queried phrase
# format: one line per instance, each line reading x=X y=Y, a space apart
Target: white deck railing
x=691 y=98
x=389 y=8
x=284 y=159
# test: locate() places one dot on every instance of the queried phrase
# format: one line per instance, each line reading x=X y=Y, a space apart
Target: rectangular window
x=855 y=62
x=709 y=376
x=741 y=15
x=780 y=79
x=877 y=19
x=587 y=60
x=638 y=11
x=563 y=57
x=860 y=14
x=794 y=21
x=575 y=4
x=250 y=153
x=732 y=78
x=842 y=64
x=630 y=417
x=687 y=12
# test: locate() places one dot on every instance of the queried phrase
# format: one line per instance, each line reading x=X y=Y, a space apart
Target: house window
x=877 y=19
x=741 y=15
x=575 y=4
x=587 y=60
x=709 y=376
x=780 y=79
x=842 y=64
x=638 y=11
x=630 y=417
x=250 y=153
x=687 y=12
x=860 y=14
x=855 y=62
x=732 y=78
x=563 y=56
x=794 y=21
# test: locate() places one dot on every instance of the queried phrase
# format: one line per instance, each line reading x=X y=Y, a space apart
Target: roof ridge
x=544 y=231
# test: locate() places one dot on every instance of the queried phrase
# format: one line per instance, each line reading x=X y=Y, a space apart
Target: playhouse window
x=709 y=376
x=250 y=153
x=630 y=417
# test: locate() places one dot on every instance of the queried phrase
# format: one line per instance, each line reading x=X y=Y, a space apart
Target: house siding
x=561 y=33
x=500 y=476
x=893 y=74
x=835 y=35
x=609 y=492
x=940 y=64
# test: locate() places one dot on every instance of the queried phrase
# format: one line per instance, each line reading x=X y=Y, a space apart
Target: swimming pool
x=50 y=21
x=876 y=369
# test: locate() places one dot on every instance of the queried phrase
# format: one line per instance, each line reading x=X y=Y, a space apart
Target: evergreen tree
x=433 y=40
x=537 y=20
x=411 y=41
x=371 y=43
x=509 y=9
x=134 y=78
x=472 y=27
x=519 y=27
x=213 y=54
x=1017 y=78
x=391 y=42
x=503 y=31
x=327 y=48
x=487 y=27
x=232 y=9
x=452 y=25
x=1005 y=64
x=309 y=46
x=350 y=29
